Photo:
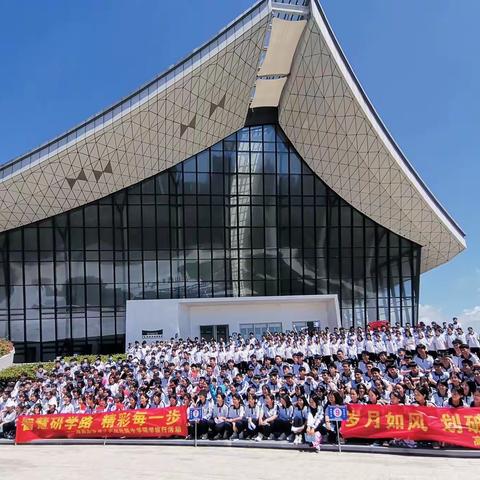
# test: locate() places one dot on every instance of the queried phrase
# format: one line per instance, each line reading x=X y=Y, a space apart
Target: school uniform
x=215 y=424
x=439 y=343
x=203 y=424
x=7 y=423
x=283 y=422
x=67 y=409
x=473 y=342
x=252 y=415
x=393 y=380
x=425 y=364
x=315 y=421
x=439 y=377
x=439 y=400
x=267 y=412
x=391 y=346
x=241 y=424
x=299 y=419
x=409 y=344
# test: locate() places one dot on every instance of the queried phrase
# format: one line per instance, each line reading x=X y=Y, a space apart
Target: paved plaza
x=179 y=463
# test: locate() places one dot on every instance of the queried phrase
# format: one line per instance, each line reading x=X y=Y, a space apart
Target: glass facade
x=245 y=217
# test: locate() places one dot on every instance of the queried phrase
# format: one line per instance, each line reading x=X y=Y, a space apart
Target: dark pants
x=266 y=429
x=299 y=422
x=240 y=426
x=9 y=429
x=281 y=426
x=216 y=428
x=331 y=435
x=202 y=428
x=250 y=433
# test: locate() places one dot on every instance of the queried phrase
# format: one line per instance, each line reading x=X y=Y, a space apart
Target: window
x=246 y=217
x=259 y=329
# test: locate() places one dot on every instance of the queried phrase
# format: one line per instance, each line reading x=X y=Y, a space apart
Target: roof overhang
x=190 y=107
x=292 y=62
x=333 y=125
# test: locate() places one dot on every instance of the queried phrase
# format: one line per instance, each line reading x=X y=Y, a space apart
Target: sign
x=152 y=334
x=457 y=426
x=195 y=414
x=337 y=413
x=141 y=423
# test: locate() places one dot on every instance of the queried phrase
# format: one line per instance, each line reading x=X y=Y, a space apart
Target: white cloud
x=470 y=317
x=429 y=313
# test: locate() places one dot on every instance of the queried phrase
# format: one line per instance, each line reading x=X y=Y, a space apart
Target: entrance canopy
x=217 y=318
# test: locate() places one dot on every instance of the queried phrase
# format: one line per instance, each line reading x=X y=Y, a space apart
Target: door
x=221 y=332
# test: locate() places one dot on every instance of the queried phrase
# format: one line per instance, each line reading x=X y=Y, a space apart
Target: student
x=422 y=395
x=269 y=414
x=456 y=398
x=217 y=422
x=467 y=392
x=314 y=422
x=409 y=342
x=353 y=397
x=472 y=341
x=440 y=394
x=235 y=422
x=299 y=420
x=265 y=392
x=329 y=429
x=144 y=401
x=362 y=393
x=396 y=398
x=156 y=401
x=7 y=419
x=207 y=410
x=476 y=399
x=67 y=406
x=375 y=397
x=423 y=359
x=252 y=414
x=283 y=424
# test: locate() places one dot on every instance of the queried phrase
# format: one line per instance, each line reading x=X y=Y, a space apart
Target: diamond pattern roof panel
x=324 y=113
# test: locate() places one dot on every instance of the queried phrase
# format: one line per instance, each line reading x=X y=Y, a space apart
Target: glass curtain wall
x=245 y=217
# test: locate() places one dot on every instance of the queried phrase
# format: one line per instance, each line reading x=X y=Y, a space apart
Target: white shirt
x=439 y=342
x=472 y=340
x=67 y=409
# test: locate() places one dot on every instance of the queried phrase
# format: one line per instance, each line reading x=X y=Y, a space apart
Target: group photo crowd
x=277 y=387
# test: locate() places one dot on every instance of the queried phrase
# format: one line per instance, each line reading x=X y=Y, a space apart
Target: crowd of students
x=276 y=387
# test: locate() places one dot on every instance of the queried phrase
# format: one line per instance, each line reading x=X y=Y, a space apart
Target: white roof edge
x=171 y=75
x=319 y=16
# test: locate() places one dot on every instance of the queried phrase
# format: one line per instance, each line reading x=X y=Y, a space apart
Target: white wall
x=151 y=315
x=183 y=317
x=7 y=360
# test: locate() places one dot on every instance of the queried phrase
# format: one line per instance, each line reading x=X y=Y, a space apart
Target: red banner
x=457 y=426
x=156 y=423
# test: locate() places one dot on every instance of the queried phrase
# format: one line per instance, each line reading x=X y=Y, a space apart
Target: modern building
x=256 y=166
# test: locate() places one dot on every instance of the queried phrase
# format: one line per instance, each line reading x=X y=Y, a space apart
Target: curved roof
x=206 y=97
x=328 y=117
x=187 y=109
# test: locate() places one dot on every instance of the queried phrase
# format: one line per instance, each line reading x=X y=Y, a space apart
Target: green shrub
x=5 y=347
x=13 y=373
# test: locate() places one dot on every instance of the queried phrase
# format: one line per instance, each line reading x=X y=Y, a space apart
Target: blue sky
x=61 y=62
